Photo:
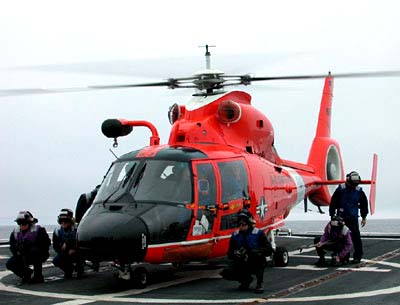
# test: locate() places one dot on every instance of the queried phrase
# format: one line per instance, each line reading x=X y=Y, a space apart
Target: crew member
x=347 y=199
x=29 y=245
x=84 y=203
x=247 y=250
x=64 y=243
x=336 y=238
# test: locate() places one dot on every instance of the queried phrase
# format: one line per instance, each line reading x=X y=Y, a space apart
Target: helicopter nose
x=109 y=236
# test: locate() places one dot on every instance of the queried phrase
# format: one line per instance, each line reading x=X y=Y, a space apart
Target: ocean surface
x=297 y=227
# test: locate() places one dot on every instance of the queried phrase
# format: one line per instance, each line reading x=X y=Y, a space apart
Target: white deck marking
x=75 y=302
x=304 y=267
x=314 y=268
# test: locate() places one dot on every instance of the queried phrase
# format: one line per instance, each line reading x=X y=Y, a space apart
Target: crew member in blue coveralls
x=29 y=245
x=347 y=199
x=336 y=238
x=247 y=250
x=64 y=243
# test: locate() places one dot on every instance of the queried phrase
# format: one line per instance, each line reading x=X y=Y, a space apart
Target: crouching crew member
x=64 y=243
x=336 y=238
x=29 y=245
x=247 y=250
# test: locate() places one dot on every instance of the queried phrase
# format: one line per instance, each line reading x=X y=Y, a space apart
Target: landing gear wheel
x=139 y=277
x=281 y=257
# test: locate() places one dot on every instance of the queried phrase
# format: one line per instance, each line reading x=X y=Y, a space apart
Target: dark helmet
x=246 y=216
x=337 y=221
x=353 y=178
x=65 y=215
x=25 y=217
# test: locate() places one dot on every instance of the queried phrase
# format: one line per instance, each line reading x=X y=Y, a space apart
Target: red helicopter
x=177 y=202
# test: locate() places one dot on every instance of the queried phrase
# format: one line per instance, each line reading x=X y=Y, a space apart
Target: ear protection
x=353 y=178
x=65 y=215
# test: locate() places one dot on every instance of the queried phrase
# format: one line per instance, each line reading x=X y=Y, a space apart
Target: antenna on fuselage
x=208 y=55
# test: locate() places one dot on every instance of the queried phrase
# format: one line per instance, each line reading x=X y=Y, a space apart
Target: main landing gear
x=280 y=255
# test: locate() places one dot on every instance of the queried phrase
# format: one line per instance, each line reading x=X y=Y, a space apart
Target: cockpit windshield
x=148 y=181
x=116 y=181
x=161 y=180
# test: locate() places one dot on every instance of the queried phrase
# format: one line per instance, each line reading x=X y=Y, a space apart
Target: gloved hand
x=240 y=254
x=363 y=222
x=335 y=260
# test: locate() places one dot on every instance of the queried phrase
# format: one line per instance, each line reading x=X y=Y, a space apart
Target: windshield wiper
x=137 y=180
x=123 y=182
x=139 y=176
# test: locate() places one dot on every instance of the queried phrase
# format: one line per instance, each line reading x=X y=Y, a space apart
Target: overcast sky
x=52 y=149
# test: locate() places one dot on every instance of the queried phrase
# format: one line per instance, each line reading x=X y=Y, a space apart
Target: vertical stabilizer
x=324 y=118
x=325 y=157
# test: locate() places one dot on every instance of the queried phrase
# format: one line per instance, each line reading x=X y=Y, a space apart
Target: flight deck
x=376 y=280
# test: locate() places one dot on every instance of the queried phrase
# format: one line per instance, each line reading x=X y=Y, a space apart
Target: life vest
x=248 y=240
x=28 y=238
x=349 y=199
x=65 y=235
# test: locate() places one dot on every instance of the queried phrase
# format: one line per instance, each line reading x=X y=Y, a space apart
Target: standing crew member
x=347 y=199
x=336 y=238
x=64 y=243
x=29 y=245
x=247 y=250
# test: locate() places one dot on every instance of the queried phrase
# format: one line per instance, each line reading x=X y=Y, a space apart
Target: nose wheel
x=137 y=275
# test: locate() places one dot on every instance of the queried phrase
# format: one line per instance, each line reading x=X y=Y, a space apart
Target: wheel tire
x=281 y=257
x=139 y=276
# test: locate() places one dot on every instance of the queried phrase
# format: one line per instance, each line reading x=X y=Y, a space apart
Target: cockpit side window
x=234 y=180
x=206 y=184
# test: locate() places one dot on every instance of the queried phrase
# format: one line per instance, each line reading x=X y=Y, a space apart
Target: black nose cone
x=110 y=236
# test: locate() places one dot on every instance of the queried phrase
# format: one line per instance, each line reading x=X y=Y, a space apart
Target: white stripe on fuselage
x=298 y=180
x=205 y=240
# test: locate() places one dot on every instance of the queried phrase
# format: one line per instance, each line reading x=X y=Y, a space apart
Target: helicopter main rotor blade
x=248 y=78
x=171 y=83
x=204 y=81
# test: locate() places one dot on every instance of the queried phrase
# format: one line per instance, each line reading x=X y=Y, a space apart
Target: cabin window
x=206 y=184
x=233 y=180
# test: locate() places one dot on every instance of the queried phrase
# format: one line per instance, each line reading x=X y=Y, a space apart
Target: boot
x=68 y=274
x=321 y=262
x=259 y=288
x=27 y=276
x=244 y=285
x=37 y=279
x=80 y=270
